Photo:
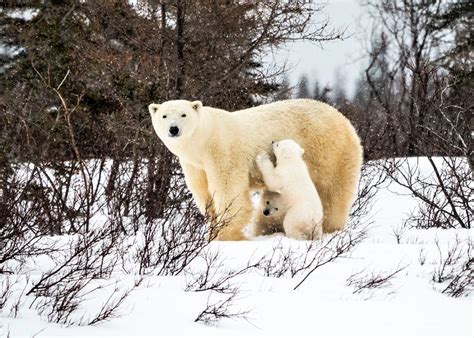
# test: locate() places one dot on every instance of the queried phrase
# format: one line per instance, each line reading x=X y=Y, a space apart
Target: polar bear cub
x=298 y=196
x=268 y=216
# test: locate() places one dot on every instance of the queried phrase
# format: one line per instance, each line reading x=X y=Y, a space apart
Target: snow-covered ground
x=325 y=304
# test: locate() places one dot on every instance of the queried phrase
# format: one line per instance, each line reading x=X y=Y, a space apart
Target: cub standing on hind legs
x=298 y=195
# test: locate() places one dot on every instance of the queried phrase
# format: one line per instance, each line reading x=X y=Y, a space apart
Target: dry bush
x=454 y=268
x=372 y=178
x=110 y=308
x=216 y=277
x=364 y=281
x=5 y=293
x=220 y=282
x=445 y=197
x=170 y=244
x=220 y=309
x=329 y=249
x=20 y=237
x=87 y=258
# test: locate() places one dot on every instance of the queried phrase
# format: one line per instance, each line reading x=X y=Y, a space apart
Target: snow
x=410 y=304
x=10 y=51
x=25 y=14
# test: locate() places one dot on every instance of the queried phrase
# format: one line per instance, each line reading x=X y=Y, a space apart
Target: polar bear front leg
x=233 y=206
x=272 y=181
x=196 y=181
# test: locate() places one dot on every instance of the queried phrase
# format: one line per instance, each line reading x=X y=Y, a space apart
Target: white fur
x=291 y=179
x=217 y=151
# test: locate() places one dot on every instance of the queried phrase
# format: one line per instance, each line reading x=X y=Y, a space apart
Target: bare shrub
x=61 y=300
x=306 y=258
x=422 y=256
x=105 y=232
x=19 y=235
x=110 y=307
x=215 y=277
x=399 y=233
x=5 y=293
x=280 y=262
x=87 y=258
x=217 y=310
x=219 y=282
x=445 y=197
x=363 y=281
x=372 y=178
x=171 y=243
x=461 y=283
x=329 y=249
x=454 y=266
x=63 y=303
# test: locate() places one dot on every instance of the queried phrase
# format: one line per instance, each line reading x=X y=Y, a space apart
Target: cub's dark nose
x=266 y=212
x=174 y=131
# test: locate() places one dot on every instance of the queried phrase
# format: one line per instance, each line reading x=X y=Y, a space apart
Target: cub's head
x=272 y=205
x=287 y=149
x=175 y=120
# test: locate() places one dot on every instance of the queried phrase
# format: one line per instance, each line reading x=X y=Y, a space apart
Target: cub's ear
x=197 y=105
x=153 y=108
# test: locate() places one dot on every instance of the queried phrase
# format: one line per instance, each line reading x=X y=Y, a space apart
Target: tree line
x=414 y=97
x=77 y=76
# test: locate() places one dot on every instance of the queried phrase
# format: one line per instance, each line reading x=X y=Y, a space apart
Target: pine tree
x=316 y=91
x=303 y=90
x=339 y=94
x=325 y=94
x=458 y=60
x=284 y=90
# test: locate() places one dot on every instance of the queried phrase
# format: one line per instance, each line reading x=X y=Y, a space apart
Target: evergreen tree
x=325 y=94
x=362 y=91
x=303 y=90
x=339 y=93
x=458 y=60
x=316 y=91
x=284 y=90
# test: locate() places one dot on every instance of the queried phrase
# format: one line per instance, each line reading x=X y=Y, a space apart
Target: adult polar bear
x=217 y=151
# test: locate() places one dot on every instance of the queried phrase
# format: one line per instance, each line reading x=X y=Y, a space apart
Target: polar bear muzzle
x=174 y=131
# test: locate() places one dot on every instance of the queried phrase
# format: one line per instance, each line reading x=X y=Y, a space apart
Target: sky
x=324 y=61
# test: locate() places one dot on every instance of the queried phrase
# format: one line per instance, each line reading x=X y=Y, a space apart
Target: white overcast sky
x=323 y=61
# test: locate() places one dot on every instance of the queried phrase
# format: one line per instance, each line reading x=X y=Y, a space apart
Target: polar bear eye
x=164 y=116
x=276 y=209
x=184 y=115
x=268 y=202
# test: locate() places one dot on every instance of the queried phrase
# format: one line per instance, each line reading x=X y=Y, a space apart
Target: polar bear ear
x=153 y=108
x=197 y=105
x=302 y=151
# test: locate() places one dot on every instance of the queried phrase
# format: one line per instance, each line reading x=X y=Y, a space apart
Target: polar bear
x=299 y=199
x=217 y=151
x=268 y=218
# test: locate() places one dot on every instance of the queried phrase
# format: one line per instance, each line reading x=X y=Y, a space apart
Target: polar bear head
x=175 y=120
x=272 y=204
x=287 y=149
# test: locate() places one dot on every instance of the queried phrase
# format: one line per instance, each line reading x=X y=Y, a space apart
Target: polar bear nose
x=174 y=131
x=266 y=212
